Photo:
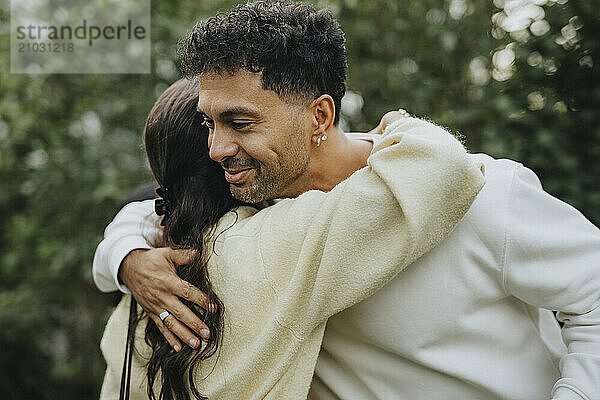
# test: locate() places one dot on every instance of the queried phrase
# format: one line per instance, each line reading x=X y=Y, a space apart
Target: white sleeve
x=553 y=262
x=127 y=232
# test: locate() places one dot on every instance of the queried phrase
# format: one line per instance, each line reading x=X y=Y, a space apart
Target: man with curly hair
x=284 y=57
x=469 y=320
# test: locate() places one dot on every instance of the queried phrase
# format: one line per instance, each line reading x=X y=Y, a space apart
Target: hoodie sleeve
x=552 y=261
x=127 y=232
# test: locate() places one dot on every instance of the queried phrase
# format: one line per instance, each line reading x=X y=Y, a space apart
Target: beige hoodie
x=283 y=271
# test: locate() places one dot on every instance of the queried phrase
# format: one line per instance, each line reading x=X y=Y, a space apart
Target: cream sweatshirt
x=283 y=271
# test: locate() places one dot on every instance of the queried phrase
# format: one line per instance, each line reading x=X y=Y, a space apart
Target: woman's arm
x=324 y=252
x=126 y=232
x=149 y=274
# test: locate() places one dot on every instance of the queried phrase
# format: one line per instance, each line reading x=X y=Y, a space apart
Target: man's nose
x=221 y=145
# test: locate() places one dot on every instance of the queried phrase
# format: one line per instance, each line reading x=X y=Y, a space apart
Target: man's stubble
x=271 y=181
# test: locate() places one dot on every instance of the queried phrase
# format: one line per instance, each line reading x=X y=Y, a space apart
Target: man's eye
x=240 y=125
x=208 y=123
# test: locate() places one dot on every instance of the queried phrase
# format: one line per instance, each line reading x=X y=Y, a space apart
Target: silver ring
x=163 y=315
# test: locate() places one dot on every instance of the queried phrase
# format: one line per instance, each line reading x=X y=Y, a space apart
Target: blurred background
x=516 y=78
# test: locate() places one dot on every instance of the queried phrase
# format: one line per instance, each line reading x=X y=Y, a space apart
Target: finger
x=187 y=318
x=171 y=338
x=378 y=129
x=392 y=117
x=179 y=256
x=181 y=331
x=189 y=292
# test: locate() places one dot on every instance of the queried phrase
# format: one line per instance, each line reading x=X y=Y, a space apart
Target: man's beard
x=261 y=189
x=258 y=190
x=271 y=181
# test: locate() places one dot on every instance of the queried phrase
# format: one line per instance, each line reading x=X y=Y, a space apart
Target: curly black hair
x=299 y=51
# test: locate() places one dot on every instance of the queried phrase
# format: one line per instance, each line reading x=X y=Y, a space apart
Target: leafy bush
x=70 y=146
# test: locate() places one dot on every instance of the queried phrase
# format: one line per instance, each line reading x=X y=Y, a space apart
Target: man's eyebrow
x=233 y=112
x=237 y=111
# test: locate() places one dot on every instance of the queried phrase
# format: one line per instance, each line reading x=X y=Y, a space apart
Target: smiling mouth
x=238 y=176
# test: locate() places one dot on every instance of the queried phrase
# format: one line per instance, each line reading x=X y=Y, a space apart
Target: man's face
x=261 y=141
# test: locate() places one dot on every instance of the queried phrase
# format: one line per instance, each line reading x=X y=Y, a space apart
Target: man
x=469 y=320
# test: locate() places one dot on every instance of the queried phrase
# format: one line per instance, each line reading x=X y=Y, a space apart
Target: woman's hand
x=151 y=277
x=388 y=118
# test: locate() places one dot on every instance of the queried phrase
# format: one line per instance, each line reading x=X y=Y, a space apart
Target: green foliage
x=435 y=58
x=70 y=148
x=550 y=122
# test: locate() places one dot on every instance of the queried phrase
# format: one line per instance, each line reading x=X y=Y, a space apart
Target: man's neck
x=336 y=159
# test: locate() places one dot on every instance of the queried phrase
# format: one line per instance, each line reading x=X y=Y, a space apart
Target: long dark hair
x=176 y=144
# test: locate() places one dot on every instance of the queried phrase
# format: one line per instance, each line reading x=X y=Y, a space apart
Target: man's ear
x=323 y=115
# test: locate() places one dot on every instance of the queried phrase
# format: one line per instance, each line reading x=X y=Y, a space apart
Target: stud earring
x=321 y=138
